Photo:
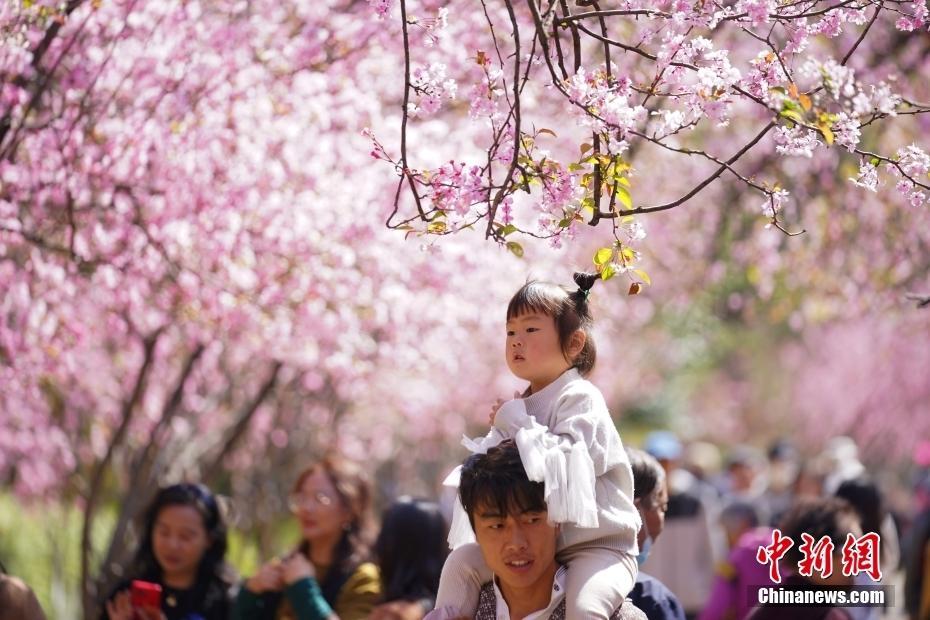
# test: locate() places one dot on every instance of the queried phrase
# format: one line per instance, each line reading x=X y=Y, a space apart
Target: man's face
x=519 y=549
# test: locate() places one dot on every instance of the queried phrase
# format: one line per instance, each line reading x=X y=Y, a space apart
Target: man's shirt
x=556 y=596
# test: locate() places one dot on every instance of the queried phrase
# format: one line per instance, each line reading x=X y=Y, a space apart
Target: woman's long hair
x=212 y=565
x=411 y=549
x=354 y=547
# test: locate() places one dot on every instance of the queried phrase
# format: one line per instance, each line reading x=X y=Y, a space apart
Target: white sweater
x=568 y=441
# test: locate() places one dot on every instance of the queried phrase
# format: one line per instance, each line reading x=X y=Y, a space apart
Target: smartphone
x=145 y=594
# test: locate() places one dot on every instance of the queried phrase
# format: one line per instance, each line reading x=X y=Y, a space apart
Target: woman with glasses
x=328 y=576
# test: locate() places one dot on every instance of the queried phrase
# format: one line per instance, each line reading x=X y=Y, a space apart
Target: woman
x=327 y=576
x=411 y=549
x=183 y=549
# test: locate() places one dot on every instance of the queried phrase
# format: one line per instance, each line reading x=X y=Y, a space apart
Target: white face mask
x=644 y=550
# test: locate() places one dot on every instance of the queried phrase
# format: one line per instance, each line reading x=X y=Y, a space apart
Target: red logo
x=860 y=555
x=771 y=554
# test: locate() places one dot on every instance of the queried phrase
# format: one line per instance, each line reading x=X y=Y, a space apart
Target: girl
x=328 y=576
x=183 y=550
x=568 y=441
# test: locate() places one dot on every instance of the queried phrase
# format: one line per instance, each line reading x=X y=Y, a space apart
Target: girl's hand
x=297 y=567
x=120 y=607
x=269 y=578
x=497 y=405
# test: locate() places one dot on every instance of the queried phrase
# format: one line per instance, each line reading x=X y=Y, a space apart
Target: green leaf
x=516 y=248
x=608 y=272
x=793 y=115
x=875 y=161
x=437 y=228
x=624 y=195
x=827 y=134
x=585 y=147
x=642 y=276
x=565 y=222
x=506 y=230
x=603 y=256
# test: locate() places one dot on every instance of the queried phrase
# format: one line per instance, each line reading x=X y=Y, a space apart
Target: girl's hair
x=411 y=549
x=647 y=472
x=568 y=308
x=212 y=564
x=354 y=547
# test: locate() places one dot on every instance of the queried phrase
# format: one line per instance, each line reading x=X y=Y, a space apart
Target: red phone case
x=145 y=594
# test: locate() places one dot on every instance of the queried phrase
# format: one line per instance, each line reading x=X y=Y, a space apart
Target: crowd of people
x=702 y=527
x=554 y=518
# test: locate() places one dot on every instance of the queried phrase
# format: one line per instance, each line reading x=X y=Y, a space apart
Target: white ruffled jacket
x=568 y=441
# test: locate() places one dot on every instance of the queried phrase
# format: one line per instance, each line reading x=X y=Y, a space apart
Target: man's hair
x=647 y=472
x=497 y=481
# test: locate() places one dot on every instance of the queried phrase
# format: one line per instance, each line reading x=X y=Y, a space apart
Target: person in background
x=784 y=462
x=831 y=517
x=651 y=498
x=183 y=550
x=410 y=550
x=684 y=560
x=739 y=577
x=917 y=557
x=17 y=600
x=329 y=575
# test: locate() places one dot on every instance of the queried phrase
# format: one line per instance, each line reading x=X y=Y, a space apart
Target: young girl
x=568 y=441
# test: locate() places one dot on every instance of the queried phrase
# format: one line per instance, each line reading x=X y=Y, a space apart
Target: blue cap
x=663 y=445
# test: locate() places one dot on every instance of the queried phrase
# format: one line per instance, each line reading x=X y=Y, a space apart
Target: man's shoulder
x=487 y=608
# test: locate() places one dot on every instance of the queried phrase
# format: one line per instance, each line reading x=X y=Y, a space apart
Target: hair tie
x=585 y=282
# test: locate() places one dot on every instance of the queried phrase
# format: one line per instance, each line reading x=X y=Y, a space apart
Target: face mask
x=644 y=550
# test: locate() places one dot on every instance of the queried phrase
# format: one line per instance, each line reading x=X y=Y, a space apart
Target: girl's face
x=533 y=350
x=179 y=540
x=319 y=509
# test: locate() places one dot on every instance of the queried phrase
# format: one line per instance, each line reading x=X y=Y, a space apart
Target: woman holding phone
x=180 y=567
x=328 y=575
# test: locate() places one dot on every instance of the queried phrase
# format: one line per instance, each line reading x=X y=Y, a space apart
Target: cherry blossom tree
x=196 y=278
x=705 y=90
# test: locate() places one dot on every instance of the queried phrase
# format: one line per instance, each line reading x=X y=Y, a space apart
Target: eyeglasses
x=296 y=501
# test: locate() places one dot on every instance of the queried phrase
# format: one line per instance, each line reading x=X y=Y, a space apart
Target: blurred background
x=196 y=284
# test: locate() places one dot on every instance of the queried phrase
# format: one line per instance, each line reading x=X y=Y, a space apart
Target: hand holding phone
x=145 y=595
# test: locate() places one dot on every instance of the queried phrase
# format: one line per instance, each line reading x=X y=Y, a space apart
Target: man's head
x=508 y=514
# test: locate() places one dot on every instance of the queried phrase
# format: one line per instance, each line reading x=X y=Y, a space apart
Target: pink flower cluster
x=912 y=163
x=456 y=187
x=604 y=101
x=432 y=86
